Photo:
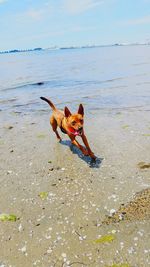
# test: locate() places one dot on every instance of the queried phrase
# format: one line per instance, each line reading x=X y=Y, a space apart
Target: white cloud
x=34 y=14
x=139 y=21
x=79 y=6
x=2 y=1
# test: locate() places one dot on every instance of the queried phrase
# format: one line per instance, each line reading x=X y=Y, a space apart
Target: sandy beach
x=62 y=201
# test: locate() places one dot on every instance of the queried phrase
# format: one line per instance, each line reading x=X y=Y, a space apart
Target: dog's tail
x=49 y=102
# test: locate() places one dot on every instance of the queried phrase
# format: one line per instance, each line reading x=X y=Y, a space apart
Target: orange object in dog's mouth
x=75 y=132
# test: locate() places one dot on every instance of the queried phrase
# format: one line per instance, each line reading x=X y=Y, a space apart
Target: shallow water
x=100 y=78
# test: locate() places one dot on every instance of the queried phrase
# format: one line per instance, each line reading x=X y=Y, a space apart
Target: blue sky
x=29 y=24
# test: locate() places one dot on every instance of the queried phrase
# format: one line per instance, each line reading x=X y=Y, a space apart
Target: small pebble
x=112 y=212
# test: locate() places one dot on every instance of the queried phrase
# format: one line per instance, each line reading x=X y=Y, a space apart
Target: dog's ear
x=81 y=110
x=67 y=112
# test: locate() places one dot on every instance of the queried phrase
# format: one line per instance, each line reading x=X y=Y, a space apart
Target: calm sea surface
x=100 y=78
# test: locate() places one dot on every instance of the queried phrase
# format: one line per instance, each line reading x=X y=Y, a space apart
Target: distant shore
x=69 y=47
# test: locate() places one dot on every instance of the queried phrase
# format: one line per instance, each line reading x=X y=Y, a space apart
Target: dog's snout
x=80 y=128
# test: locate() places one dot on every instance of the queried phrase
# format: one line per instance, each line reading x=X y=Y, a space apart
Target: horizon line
x=55 y=47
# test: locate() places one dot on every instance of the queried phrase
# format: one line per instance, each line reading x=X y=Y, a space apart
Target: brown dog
x=71 y=124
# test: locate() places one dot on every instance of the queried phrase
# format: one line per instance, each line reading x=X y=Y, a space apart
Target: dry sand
x=66 y=227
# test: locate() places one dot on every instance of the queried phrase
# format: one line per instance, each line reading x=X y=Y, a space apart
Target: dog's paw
x=85 y=152
x=92 y=155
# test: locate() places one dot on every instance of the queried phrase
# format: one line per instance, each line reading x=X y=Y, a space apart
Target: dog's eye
x=73 y=123
x=81 y=121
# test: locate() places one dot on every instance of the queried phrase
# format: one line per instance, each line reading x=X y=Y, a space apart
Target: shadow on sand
x=93 y=163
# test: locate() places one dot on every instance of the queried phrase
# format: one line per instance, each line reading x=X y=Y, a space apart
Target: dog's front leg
x=85 y=141
x=76 y=143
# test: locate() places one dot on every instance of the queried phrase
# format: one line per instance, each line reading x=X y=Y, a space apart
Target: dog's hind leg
x=53 y=123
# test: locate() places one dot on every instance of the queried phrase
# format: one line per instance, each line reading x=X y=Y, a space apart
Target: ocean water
x=100 y=78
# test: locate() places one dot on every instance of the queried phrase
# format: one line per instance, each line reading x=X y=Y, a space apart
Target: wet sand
x=61 y=199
